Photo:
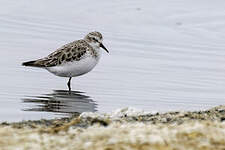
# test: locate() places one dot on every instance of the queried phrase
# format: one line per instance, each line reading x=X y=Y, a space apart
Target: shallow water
x=61 y=101
x=163 y=56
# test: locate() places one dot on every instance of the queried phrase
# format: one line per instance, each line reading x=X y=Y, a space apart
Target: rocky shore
x=125 y=129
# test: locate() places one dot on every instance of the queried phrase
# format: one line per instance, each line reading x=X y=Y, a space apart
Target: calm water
x=163 y=56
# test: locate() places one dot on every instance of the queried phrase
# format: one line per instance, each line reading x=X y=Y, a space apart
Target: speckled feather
x=73 y=51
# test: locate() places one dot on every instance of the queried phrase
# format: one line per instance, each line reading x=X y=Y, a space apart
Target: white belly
x=75 y=68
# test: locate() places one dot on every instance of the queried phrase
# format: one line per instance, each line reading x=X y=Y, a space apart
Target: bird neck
x=96 y=49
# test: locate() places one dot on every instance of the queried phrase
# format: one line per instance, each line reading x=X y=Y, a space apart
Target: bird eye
x=94 y=39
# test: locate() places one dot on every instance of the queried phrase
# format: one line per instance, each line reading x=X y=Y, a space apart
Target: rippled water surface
x=164 y=55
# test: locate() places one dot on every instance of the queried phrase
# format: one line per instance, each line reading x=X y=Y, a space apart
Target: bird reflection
x=61 y=102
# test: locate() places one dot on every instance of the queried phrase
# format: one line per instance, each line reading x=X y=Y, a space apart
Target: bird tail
x=34 y=63
x=28 y=63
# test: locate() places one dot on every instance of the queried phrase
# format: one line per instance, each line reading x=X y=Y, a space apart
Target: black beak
x=102 y=46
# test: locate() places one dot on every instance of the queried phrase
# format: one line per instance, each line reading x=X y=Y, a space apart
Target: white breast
x=75 y=68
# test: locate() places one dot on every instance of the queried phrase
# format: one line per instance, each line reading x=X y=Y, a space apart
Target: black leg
x=68 y=84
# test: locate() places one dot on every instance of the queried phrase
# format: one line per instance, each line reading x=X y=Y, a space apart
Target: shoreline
x=129 y=115
x=123 y=128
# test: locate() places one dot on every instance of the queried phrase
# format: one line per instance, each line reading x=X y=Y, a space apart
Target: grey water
x=164 y=56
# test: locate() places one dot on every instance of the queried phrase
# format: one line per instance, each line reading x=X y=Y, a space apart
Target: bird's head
x=95 y=40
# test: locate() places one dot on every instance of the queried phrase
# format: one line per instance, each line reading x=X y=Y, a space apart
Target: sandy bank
x=122 y=129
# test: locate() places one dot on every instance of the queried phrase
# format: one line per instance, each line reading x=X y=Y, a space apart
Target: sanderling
x=73 y=59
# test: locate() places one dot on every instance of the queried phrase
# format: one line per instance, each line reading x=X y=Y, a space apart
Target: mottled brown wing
x=73 y=51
